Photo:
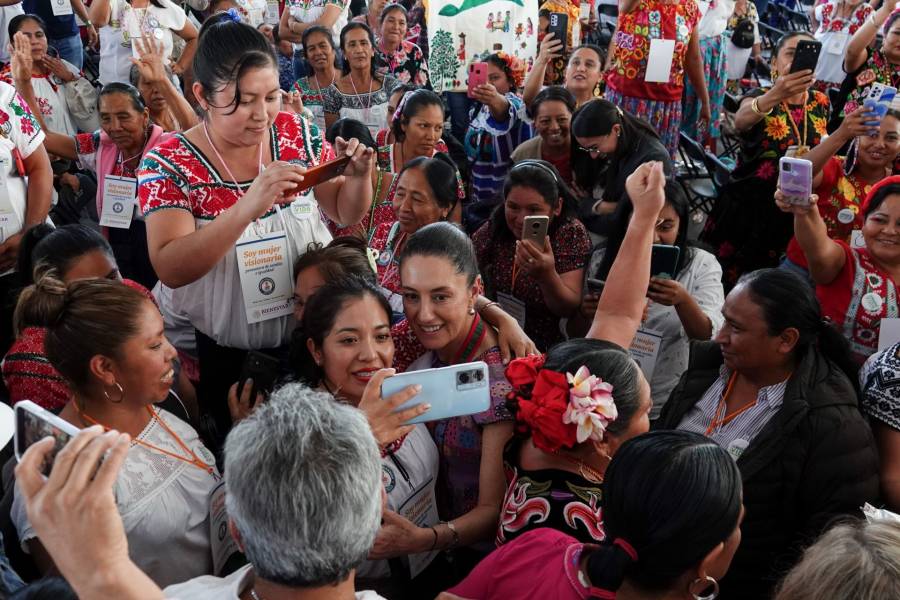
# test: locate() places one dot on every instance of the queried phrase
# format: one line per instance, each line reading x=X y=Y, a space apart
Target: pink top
x=542 y=563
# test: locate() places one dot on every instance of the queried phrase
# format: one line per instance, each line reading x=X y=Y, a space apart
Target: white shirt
x=715 y=21
x=126 y=23
x=50 y=93
x=227 y=588
x=308 y=11
x=254 y=11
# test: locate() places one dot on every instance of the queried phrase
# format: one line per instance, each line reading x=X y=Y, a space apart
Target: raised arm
x=786 y=85
x=826 y=258
x=621 y=306
x=549 y=50
x=857 y=48
x=151 y=65
x=189 y=34
x=852 y=126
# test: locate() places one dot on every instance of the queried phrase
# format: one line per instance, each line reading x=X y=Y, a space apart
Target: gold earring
x=121 y=393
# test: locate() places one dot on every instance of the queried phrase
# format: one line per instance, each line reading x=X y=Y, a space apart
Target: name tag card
x=645 y=350
x=265 y=278
x=118 y=201
x=61 y=8
x=659 y=62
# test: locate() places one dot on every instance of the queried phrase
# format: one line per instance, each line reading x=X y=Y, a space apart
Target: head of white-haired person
x=304 y=500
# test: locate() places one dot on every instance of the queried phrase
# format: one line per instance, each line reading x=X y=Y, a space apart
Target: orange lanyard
x=720 y=417
x=192 y=460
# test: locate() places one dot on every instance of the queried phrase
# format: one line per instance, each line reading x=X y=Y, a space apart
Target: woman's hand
x=241 y=408
x=791 y=84
x=646 y=188
x=9 y=251
x=150 y=63
x=793 y=208
x=534 y=261
x=292 y=102
x=862 y=121
x=399 y=536
x=277 y=183
x=362 y=157
x=667 y=292
x=388 y=426
x=550 y=48
x=58 y=68
x=512 y=339
x=20 y=60
x=487 y=94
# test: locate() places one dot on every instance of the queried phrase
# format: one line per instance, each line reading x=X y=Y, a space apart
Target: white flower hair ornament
x=591 y=405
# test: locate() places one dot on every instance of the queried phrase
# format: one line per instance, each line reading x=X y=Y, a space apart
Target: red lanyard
x=719 y=421
x=469 y=349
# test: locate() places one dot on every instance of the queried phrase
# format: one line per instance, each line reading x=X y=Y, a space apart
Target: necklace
x=318 y=85
x=368 y=104
x=587 y=472
x=253 y=594
x=802 y=148
x=123 y=162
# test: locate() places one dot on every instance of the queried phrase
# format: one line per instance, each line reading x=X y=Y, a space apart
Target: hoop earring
x=121 y=393
x=706 y=581
x=472 y=311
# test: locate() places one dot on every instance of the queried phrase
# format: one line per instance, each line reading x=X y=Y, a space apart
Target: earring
x=705 y=582
x=472 y=310
x=774 y=74
x=121 y=394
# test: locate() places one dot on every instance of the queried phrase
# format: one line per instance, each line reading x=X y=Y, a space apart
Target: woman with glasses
x=610 y=144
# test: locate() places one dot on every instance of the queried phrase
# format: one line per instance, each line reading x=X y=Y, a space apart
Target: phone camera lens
x=464 y=378
x=479 y=375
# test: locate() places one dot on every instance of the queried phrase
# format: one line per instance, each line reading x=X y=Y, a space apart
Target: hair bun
x=608 y=565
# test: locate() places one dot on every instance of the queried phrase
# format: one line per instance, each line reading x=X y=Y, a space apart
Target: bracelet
x=754 y=106
x=455 y=533
x=434 y=543
x=488 y=305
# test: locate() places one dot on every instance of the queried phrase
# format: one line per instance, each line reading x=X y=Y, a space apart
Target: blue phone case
x=879 y=101
x=451 y=391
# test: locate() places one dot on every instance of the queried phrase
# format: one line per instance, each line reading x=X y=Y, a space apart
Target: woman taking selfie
x=360 y=93
x=539 y=282
x=221 y=185
x=774 y=389
x=551 y=112
x=106 y=339
x=672 y=512
x=583 y=73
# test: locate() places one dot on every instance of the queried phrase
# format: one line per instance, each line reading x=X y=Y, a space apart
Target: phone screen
x=31 y=428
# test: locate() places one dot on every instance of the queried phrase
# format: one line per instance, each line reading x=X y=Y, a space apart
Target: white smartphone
x=33 y=424
x=795 y=180
x=535 y=228
x=451 y=391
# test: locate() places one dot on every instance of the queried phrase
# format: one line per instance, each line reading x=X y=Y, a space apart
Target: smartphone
x=595 y=286
x=33 y=424
x=559 y=27
x=795 y=177
x=451 y=391
x=879 y=99
x=320 y=173
x=477 y=76
x=535 y=229
x=806 y=56
x=263 y=370
x=664 y=261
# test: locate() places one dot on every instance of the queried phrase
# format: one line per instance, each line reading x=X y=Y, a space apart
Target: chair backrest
x=692 y=148
x=720 y=173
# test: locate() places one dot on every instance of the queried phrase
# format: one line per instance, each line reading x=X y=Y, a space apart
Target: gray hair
x=857 y=560
x=303 y=476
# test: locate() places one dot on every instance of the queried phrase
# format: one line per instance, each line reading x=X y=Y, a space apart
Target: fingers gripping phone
x=33 y=424
x=535 y=228
x=559 y=27
x=451 y=391
x=795 y=180
x=879 y=99
x=319 y=174
x=664 y=261
x=806 y=55
x=477 y=76
x=263 y=370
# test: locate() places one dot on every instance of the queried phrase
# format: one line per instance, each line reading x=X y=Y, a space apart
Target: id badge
x=265 y=275
x=272 y=16
x=118 y=201
x=796 y=151
x=10 y=224
x=659 y=61
x=61 y=8
x=837 y=43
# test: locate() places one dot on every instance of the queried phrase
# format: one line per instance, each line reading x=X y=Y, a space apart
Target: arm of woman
x=826 y=257
x=189 y=34
x=693 y=64
x=151 y=65
x=296 y=28
x=37 y=205
x=561 y=291
x=100 y=13
x=512 y=340
x=787 y=85
x=534 y=81
x=888 y=441
x=858 y=48
x=621 y=306
x=348 y=198
x=852 y=126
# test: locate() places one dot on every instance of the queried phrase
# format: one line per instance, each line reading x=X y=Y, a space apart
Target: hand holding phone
x=450 y=391
x=878 y=100
x=806 y=56
x=795 y=180
x=320 y=174
x=664 y=261
x=33 y=424
x=477 y=77
x=259 y=373
x=387 y=421
x=559 y=27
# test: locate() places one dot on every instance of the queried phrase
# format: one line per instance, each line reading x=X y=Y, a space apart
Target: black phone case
x=806 y=56
x=263 y=369
x=560 y=29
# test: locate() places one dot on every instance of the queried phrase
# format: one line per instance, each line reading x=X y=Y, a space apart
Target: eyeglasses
x=591 y=150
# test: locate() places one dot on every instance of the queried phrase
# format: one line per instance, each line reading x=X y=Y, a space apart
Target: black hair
x=46 y=588
x=225 y=52
x=608 y=361
x=134 y=74
x=593 y=47
x=310 y=31
x=672 y=496
x=784 y=39
x=788 y=301
x=498 y=62
x=117 y=87
x=348 y=128
x=619 y=225
x=852 y=159
x=345 y=67
x=416 y=101
x=57 y=247
x=550 y=93
x=440 y=173
x=889 y=22
x=443 y=240
x=596 y=118
x=388 y=8
x=879 y=197
x=342 y=257
x=319 y=315
x=16 y=23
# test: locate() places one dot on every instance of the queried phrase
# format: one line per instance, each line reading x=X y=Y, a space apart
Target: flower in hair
x=591 y=405
x=516 y=67
x=233 y=15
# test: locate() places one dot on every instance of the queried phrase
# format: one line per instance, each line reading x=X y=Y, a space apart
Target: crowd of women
x=163 y=242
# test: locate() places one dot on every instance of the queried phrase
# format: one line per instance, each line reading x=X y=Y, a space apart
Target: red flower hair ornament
x=560 y=410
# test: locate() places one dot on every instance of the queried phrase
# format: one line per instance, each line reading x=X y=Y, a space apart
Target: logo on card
x=118 y=207
x=267 y=285
x=388 y=478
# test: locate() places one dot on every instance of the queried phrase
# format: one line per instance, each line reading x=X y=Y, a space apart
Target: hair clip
x=233 y=15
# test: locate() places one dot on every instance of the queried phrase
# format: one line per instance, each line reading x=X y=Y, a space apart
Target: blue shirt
x=57 y=27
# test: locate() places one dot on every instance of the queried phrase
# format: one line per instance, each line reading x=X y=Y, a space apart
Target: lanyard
x=787 y=109
x=192 y=459
x=720 y=418
x=391 y=247
x=215 y=150
x=368 y=103
x=469 y=349
x=120 y=162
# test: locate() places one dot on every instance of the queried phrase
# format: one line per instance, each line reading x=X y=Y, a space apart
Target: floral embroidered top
x=835 y=32
x=552 y=498
x=406 y=63
x=829 y=20
x=767 y=141
x=637 y=30
x=370 y=108
x=313 y=97
x=876 y=69
x=50 y=93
